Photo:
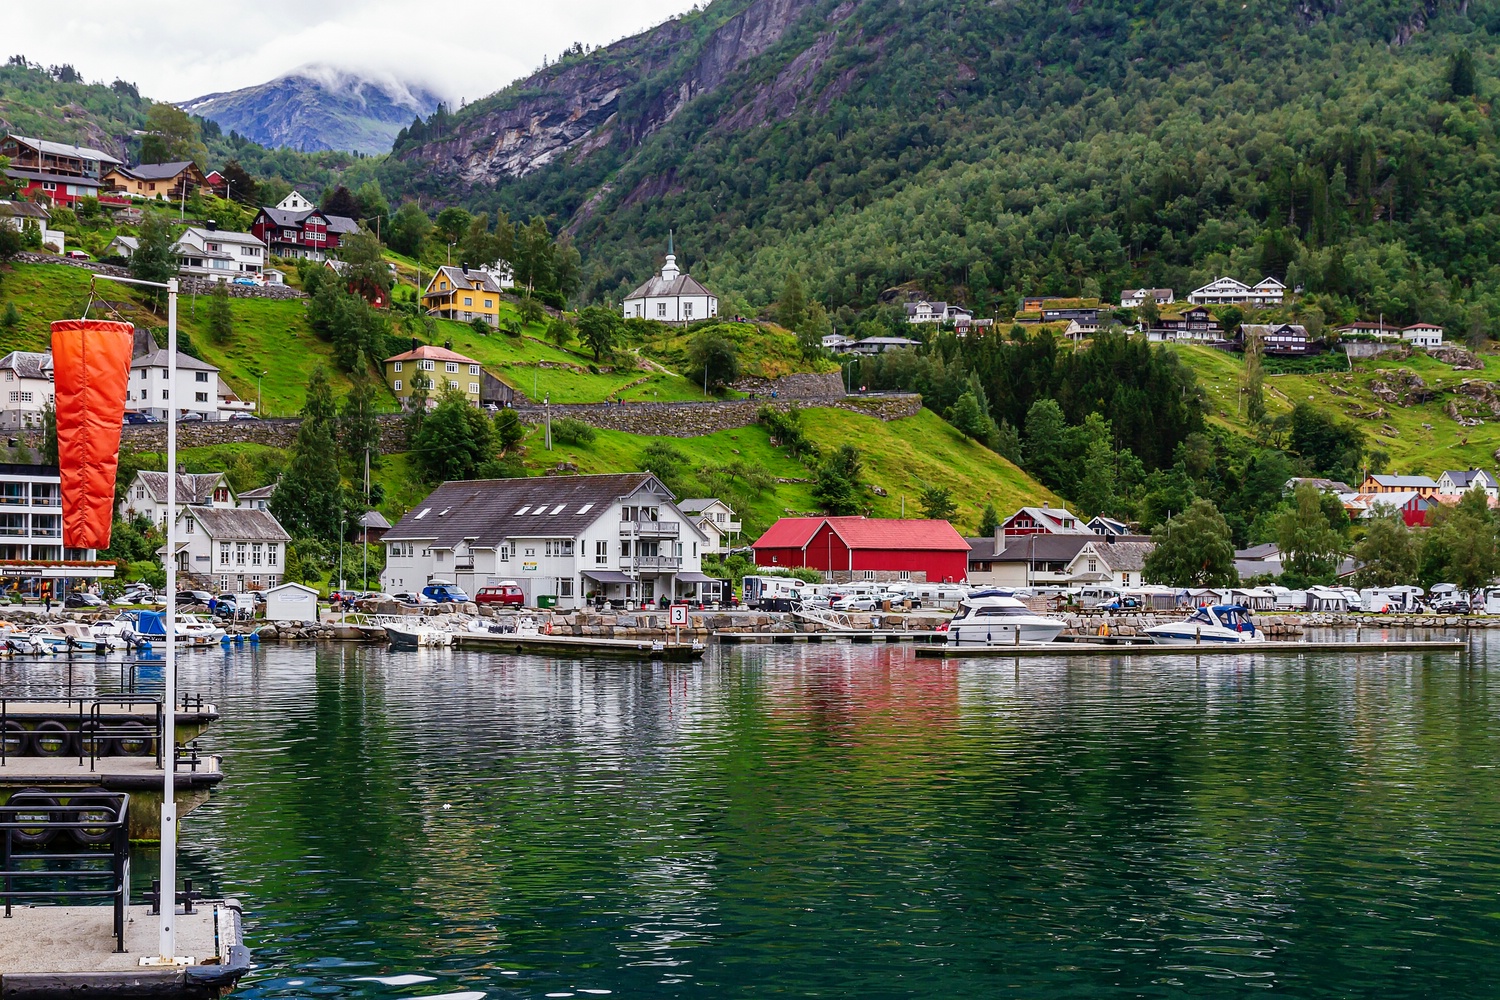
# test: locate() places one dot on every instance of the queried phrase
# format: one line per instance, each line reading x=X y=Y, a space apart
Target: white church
x=671 y=296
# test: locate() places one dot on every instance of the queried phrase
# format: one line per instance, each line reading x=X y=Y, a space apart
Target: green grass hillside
x=1420 y=438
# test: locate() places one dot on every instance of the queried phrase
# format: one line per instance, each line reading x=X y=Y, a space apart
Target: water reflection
x=834 y=820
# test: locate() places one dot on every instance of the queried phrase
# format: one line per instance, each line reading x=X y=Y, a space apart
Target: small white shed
x=291 y=602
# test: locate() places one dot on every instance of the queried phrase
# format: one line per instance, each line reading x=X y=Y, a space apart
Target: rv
x=773 y=593
x=1390 y=600
x=1090 y=597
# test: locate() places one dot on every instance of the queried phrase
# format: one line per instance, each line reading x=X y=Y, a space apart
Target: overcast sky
x=176 y=50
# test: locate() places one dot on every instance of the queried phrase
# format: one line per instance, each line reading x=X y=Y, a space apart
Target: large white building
x=1229 y=291
x=31 y=534
x=25 y=388
x=568 y=537
x=229 y=549
x=196 y=395
x=220 y=255
x=671 y=297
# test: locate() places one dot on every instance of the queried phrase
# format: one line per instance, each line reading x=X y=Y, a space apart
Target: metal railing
x=84 y=726
x=649 y=529
x=59 y=851
x=657 y=562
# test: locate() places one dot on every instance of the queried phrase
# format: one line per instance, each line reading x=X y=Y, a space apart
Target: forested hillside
x=982 y=149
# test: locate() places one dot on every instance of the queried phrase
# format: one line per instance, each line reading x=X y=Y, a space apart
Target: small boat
x=67 y=637
x=996 y=618
x=15 y=641
x=417 y=633
x=191 y=630
x=1218 y=623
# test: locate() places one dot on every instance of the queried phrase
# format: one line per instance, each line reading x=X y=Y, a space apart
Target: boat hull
x=1179 y=636
x=1000 y=633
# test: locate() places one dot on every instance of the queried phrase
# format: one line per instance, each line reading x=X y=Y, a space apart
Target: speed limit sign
x=679 y=614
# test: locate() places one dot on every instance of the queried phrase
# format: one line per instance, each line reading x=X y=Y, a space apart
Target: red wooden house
x=65 y=174
x=308 y=233
x=870 y=548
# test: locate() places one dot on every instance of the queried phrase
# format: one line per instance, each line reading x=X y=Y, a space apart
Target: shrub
x=571 y=431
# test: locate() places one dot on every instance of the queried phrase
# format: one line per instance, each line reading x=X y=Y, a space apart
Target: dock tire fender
x=132 y=739
x=85 y=835
x=42 y=800
x=93 y=745
x=16 y=738
x=51 y=738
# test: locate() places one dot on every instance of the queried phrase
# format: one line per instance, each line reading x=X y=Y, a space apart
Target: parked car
x=444 y=593
x=243 y=416
x=407 y=597
x=78 y=255
x=80 y=599
x=137 y=417
x=504 y=594
x=857 y=602
x=194 y=597
x=194 y=415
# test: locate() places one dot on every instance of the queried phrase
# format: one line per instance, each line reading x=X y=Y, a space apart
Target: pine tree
x=220 y=315
x=989 y=521
x=791 y=308
x=309 y=500
x=1461 y=75
x=358 y=431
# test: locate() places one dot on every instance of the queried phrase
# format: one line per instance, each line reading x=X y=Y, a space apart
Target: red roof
x=865 y=533
x=429 y=353
x=892 y=533
x=789 y=533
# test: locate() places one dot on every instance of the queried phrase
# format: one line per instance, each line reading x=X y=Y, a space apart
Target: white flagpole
x=167 y=903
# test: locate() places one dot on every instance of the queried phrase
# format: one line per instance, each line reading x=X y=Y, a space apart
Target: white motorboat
x=65 y=637
x=1218 y=623
x=15 y=640
x=196 y=630
x=417 y=633
x=995 y=618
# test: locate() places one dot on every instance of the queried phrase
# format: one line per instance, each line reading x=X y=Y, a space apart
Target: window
x=223 y=553
x=397 y=386
x=452 y=384
x=687 y=310
x=452 y=366
x=505 y=553
x=625 y=548
x=601 y=553
x=906 y=574
x=255 y=551
x=239 y=553
x=489 y=303
x=1093 y=565
x=188 y=526
x=473 y=369
x=200 y=397
x=200 y=376
x=468 y=301
x=428 y=366
x=530 y=553
x=271 y=554
x=868 y=574
x=565 y=586
x=164 y=394
x=695 y=551
x=661 y=309
x=474 y=388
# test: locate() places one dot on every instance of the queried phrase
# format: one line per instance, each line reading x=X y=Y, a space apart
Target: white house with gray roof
x=671 y=297
x=230 y=549
x=196 y=395
x=220 y=255
x=620 y=537
x=716 y=519
x=25 y=388
x=146 y=496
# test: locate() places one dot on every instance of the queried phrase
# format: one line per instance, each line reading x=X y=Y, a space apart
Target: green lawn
x=1420 y=439
x=765 y=350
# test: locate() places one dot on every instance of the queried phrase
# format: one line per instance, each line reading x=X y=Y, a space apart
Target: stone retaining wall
x=187 y=285
x=694 y=419
x=799 y=386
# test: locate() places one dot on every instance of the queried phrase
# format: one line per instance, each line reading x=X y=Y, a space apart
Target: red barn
x=877 y=547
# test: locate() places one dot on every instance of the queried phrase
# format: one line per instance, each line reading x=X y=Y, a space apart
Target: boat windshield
x=1201 y=617
x=992 y=611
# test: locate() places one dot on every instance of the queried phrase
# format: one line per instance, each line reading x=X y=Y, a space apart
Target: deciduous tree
x=1194 y=549
x=1387 y=555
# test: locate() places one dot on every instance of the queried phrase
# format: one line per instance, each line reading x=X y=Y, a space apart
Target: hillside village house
x=159 y=181
x=671 y=297
x=464 y=294
x=18 y=215
x=197 y=391
x=1228 y=291
x=846 y=549
x=1423 y=335
x=146 y=495
x=1134 y=298
x=1462 y=481
x=716 y=519
x=878 y=345
x=220 y=255
x=25 y=388
x=1044 y=520
x=256 y=499
x=1193 y=325
x=63 y=173
x=31 y=534
x=1278 y=338
x=122 y=246
x=1422 y=485
x=1058 y=560
x=566 y=537
x=225 y=549
x=440 y=368
x=936 y=312
x=297 y=228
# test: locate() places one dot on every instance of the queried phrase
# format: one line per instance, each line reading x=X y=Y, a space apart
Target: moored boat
x=996 y=618
x=1219 y=623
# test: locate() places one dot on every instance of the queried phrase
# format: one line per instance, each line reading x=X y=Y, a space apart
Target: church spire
x=669 y=271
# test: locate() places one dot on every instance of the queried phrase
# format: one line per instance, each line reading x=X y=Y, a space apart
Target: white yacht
x=996 y=618
x=1219 y=623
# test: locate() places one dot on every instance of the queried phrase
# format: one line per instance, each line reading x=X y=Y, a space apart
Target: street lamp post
x=258 y=411
x=341 y=555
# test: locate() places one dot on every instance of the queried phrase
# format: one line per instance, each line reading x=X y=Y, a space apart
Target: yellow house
x=463 y=294
x=161 y=181
x=438 y=367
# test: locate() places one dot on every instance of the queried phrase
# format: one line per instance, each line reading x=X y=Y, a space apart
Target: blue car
x=444 y=593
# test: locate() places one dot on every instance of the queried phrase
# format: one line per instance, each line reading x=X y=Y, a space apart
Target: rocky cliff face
x=577 y=107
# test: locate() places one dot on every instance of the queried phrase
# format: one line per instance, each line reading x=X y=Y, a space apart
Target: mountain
x=976 y=150
x=319 y=108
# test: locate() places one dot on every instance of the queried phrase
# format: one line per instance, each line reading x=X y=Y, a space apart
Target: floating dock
x=69 y=951
x=864 y=637
x=578 y=645
x=1075 y=649
x=140 y=776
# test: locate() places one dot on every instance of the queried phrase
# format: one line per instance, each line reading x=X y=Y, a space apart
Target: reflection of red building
x=875 y=548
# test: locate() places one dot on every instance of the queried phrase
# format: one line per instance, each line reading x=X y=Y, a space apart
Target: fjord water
x=851 y=821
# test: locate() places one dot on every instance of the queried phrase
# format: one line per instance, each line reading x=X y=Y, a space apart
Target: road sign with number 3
x=679 y=614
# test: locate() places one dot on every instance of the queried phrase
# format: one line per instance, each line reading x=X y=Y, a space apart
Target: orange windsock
x=91 y=370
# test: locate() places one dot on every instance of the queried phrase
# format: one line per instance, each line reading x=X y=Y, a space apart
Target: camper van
x=773 y=593
x=1390 y=600
x=1090 y=597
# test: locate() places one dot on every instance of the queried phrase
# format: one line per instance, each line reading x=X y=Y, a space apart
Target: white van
x=1090 y=597
x=772 y=593
x=1390 y=600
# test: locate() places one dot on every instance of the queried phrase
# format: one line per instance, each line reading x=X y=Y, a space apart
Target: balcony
x=649 y=529
x=657 y=564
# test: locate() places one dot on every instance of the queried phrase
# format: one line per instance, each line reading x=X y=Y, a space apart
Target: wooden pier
x=578 y=645
x=1076 y=649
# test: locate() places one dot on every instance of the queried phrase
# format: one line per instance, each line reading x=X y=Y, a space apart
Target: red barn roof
x=865 y=533
x=789 y=533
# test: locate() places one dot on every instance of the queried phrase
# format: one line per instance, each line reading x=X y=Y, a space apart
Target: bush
x=571 y=431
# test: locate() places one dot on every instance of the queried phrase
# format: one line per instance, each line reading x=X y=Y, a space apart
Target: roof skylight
x=523 y=510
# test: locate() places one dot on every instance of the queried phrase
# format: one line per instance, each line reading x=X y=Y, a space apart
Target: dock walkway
x=1075 y=649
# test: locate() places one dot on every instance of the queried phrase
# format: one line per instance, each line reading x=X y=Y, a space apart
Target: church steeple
x=669 y=270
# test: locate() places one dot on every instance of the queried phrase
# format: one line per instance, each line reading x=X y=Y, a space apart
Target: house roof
x=890 y=341
x=981 y=548
x=659 y=287
x=286 y=217
x=373 y=519
x=1126 y=554
x=1422 y=326
x=694 y=505
x=789 y=533
x=429 y=353
x=1147 y=291
x=1407 y=482
x=488 y=511
x=63 y=149
x=158 y=359
x=192 y=488
x=896 y=533
x=1467 y=478
x=471 y=279
x=1259 y=553
x=259 y=493
x=1043 y=548
x=24 y=210
x=1266 y=329
x=341 y=224
x=1053 y=516
x=126 y=241
x=44 y=175
x=238 y=522
x=156 y=171
x=28 y=364
x=223 y=235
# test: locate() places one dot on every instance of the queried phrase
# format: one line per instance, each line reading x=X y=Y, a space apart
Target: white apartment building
x=25 y=388
x=196 y=396
x=229 y=549
x=1229 y=291
x=146 y=496
x=568 y=537
x=31 y=532
x=1423 y=335
x=220 y=255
